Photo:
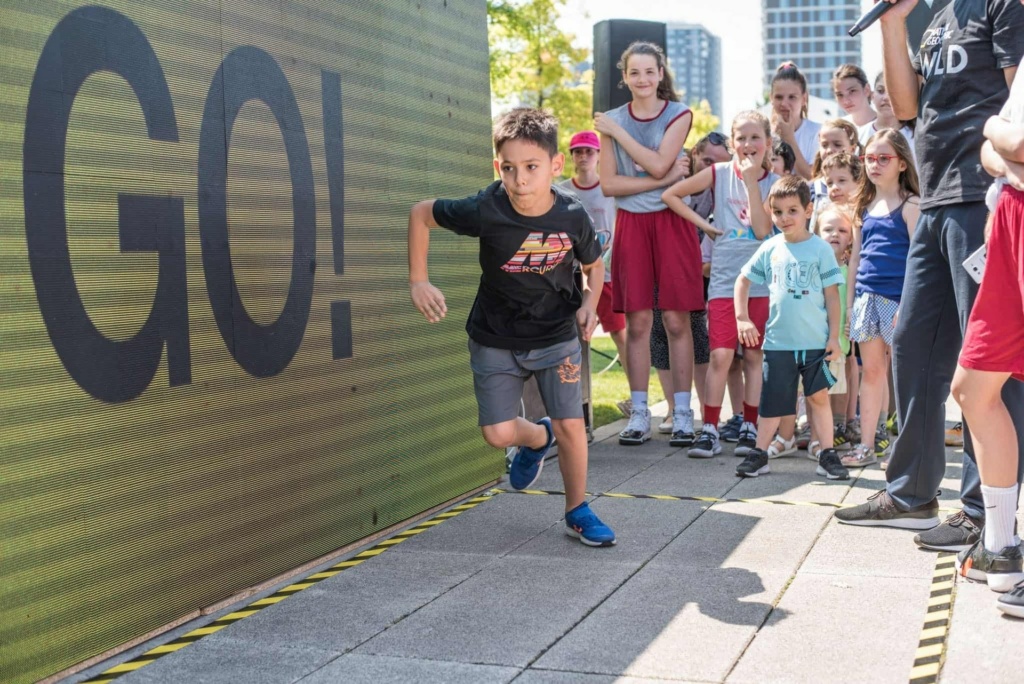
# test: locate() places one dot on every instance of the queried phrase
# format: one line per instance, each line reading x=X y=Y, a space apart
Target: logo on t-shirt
x=537 y=255
x=951 y=59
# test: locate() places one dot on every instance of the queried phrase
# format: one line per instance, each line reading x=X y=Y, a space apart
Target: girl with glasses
x=885 y=215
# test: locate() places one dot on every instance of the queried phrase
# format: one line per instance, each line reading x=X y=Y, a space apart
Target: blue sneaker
x=581 y=523
x=527 y=463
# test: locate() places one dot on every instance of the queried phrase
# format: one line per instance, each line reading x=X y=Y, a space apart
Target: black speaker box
x=611 y=38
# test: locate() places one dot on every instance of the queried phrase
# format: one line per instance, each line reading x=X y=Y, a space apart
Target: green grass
x=611 y=386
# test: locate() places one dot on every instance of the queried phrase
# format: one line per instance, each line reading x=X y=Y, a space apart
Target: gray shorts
x=499 y=376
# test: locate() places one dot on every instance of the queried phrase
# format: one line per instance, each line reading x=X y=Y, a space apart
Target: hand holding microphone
x=904 y=8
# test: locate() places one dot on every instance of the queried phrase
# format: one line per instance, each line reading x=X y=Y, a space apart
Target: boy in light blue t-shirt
x=802 y=333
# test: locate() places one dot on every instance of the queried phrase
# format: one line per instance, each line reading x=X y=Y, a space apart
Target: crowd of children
x=770 y=260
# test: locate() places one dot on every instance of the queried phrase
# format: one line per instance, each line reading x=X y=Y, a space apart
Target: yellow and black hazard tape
x=672 y=497
x=931 y=649
x=281 y=594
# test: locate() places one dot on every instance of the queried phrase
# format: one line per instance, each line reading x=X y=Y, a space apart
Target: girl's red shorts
x=994 y=340
x=658 y=248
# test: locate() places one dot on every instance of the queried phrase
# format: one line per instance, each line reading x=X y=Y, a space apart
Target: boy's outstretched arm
x=832 y=350
x=593 y=281
x=427 y=298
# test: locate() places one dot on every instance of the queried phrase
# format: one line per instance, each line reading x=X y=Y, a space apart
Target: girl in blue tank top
x=887 y=210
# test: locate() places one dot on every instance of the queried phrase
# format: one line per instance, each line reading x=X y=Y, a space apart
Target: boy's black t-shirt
x=528 y=295
x=962 y=56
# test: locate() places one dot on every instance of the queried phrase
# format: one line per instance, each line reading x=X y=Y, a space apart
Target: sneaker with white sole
x=665 y=426
x=638 y=430
x=707 y=445
x=583 y=524
x=682 y=428
x=780 y=447
x=999 y=570
x=1012 y=602
x=881 y=511
x=755 y=463
x=527 y=463
x=830 y=467
x=747 y=440
x=730 y=429
x=957 y=533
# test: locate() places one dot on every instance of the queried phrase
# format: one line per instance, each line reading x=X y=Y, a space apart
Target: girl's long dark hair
x=666 y=90
x=909 y=185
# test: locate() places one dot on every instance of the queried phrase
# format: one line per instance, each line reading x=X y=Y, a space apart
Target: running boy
x=802 y=333
x=524 y=320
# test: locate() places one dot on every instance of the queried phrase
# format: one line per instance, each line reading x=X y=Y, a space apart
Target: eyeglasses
x=880 y=159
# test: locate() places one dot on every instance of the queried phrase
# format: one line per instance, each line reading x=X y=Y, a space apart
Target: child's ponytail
x=788 y=71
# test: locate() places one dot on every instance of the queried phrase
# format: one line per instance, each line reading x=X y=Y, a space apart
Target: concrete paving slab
x=363 y=669
x=493 y=528
x=838 y=629
x=505 y=615
x=682 y=476
x=847 y=550
x=215 y=661
x=791 y=479
x=342 y=612
x=642 y=527
x=754 y=536
x=984 y=644
x=556 y=677
x=670 y=623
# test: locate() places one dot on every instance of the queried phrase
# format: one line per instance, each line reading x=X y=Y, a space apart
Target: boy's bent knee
x=819 y=398
x=500 y=435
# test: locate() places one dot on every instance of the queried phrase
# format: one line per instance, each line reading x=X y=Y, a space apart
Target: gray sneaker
x=957 y=533
x=881 y=511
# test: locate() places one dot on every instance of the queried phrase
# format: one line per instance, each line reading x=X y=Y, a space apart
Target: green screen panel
x=210 y=369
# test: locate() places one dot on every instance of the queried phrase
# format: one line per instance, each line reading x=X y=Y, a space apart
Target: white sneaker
x=682 y=428
x=638 y=430
x=666 y=426
x=707 y=445
x=747 y=440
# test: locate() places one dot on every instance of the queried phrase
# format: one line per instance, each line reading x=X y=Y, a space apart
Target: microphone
x=870 y=17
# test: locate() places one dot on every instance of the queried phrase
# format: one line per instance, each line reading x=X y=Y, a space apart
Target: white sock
x=1000 y=514
x=639 y=400
x=682 y=400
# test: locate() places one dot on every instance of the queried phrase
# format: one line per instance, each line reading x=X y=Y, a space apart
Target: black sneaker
x=731 y=429
x=882 y=443
x=1012 y=602
x=881 y=511
x=831 y=467
x=1000 y=570
x=957 y=533
x=747 y=441
x=707 y=444
x=756 y=463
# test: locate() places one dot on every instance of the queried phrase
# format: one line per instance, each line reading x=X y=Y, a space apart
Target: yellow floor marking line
x=256 y=606
x=931 y=646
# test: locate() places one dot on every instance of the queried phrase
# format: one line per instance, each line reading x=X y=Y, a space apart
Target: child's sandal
x=814 y=450
x=781 y=447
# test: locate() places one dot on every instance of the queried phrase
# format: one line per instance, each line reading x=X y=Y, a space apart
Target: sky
x=736 y=22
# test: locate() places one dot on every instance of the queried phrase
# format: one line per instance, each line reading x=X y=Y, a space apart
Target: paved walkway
x=694 y=591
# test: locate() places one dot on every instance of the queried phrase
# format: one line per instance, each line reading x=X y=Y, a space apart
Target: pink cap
x=585 y=139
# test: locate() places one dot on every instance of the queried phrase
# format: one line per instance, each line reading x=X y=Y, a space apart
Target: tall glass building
x=695 y=57
x=811 y=33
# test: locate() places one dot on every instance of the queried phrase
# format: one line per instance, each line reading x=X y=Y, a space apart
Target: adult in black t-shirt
x=959 y=77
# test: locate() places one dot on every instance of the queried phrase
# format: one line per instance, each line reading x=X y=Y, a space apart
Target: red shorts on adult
x=610 y=320
x=658 y=248
x=994 y=340
x=722 y=330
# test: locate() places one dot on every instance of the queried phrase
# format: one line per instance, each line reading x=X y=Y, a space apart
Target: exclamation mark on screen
x=341 y=311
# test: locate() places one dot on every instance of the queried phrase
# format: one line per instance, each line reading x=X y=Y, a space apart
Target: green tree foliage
x=533 y=63
x=704 y=122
